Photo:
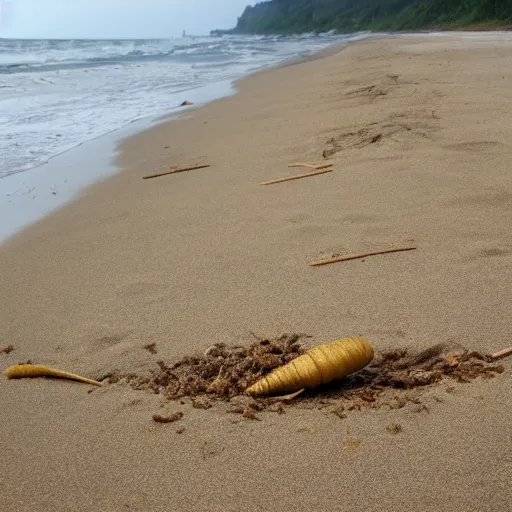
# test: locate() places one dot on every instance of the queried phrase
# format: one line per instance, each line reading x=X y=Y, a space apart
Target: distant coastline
x=478 y=27
x=320 y=16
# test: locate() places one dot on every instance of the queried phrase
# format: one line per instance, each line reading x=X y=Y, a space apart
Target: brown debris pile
x=223 y=374
x=386 y=380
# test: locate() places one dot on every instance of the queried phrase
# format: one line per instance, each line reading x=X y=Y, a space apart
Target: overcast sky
x=116 y=18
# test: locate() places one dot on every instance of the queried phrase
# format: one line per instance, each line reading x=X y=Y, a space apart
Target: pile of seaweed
x=223 y=373
x=397 y=377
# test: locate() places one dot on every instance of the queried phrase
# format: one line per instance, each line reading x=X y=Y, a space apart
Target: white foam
x=64 y=98
x=58 y=111
x=28 y=196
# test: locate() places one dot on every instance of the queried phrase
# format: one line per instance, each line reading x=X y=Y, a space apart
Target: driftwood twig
x=323 y=166
x=501 y=353
x=296 y=177
x=359 y=255
x=176 y=170
x=311 y=166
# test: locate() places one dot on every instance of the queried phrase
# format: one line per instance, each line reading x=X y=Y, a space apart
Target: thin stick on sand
x=501 y=353
x=286 y=398
x=359 y=255
x=174 y=171
x=324 y=166
x=312 y=166
x=296 y=177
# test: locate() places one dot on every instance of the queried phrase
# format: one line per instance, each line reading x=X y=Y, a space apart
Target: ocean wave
x=48 y=54
x=58 y=94
x=72 y=53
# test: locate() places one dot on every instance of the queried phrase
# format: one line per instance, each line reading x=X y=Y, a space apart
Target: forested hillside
x=295 y=16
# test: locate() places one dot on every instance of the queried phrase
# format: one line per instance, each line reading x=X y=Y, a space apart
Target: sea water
x=62 y=95
x=57 y=94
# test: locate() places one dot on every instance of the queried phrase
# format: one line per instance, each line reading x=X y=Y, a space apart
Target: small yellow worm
x=20 y=371
x=320 y=365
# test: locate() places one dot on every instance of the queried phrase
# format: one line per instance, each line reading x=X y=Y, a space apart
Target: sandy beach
x=419 y=132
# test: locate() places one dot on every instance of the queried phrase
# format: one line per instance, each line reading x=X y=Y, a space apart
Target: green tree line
x=296 y=16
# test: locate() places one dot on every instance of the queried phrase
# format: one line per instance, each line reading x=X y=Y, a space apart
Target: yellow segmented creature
x=320 y=365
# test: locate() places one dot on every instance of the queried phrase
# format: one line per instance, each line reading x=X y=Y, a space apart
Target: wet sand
x=419 y=132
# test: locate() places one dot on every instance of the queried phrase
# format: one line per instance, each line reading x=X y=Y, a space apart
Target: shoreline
x=52 y=178
x=418 y=132
x=57 y=187
x=30 y=196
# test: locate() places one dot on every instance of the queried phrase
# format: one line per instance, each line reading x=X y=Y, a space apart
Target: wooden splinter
x=176 y=170
x=501 y=353
x=311 y=166
x=324 y=166
x=21 y=371
x=359 y=255
x=286 y=398
x=297 y=176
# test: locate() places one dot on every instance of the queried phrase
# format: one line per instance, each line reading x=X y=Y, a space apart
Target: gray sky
x=116 y=18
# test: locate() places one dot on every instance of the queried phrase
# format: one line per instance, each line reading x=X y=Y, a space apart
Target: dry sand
x=419 y=131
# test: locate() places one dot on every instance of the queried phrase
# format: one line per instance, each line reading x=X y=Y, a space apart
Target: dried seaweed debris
x=393 y=379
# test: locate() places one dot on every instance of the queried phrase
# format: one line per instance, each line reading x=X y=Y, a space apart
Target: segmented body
x=320 y=365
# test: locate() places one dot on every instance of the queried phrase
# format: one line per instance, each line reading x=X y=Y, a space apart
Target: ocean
x=58 y=94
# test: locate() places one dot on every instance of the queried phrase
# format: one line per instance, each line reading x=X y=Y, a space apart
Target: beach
x=418 y=130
